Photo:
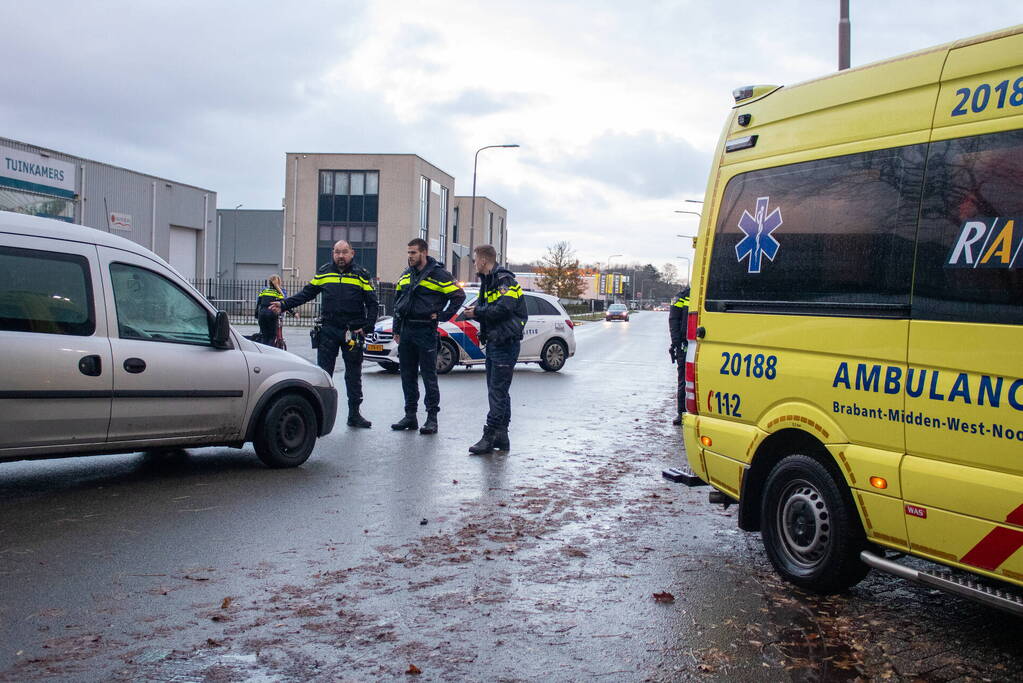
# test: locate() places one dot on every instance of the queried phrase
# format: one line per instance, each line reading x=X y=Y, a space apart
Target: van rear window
x=825 y=237
x=970 y=259
x=46 y=292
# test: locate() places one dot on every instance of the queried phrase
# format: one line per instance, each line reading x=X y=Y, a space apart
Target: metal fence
x=237 y=298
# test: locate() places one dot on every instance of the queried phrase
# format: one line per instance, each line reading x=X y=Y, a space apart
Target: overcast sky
x=617 y=105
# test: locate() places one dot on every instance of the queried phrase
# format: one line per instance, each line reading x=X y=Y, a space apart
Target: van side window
x=152 y=308
x=970 y=256
x=825 y=237
x=46 y=292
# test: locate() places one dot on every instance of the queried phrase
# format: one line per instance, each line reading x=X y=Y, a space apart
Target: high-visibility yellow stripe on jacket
x=271 y=292
x=681 y=303
x=515 y=291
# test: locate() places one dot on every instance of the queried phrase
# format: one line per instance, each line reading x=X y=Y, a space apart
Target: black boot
x=430 y=426
x=677 y=420
x=486 y=442
x=407 y=422
x=355 y=419
x=501 y=442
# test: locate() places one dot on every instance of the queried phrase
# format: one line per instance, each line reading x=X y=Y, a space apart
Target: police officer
x=678 y=317
x=501 y=311
x=425 y=295
x=268 y=320
x=349 y=310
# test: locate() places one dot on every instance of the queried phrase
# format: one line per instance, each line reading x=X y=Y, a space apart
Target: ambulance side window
x=825 y=237
x=970 y=254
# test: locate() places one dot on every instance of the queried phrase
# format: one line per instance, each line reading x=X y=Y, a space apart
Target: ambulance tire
x=810 y=527
x=286 y=432
x=447 y=357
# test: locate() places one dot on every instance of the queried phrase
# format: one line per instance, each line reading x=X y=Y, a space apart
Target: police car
x=548 y=338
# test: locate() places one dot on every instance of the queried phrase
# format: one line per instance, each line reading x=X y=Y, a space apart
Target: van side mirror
x=220 y=331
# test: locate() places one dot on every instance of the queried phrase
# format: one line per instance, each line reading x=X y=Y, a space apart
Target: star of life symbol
x=758 y=241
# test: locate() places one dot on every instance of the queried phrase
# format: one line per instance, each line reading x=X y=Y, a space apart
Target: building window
x=442 y=227
x=424 y=208
x=501 y=245
x=490 y=228
x=348 y=209
x=456 y=265
x=454 y=228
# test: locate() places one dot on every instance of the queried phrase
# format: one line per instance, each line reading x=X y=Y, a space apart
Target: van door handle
x=134 y=365
x=91 y=366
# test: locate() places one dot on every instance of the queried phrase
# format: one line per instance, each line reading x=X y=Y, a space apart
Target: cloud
x=648 y=163
x=478 y=102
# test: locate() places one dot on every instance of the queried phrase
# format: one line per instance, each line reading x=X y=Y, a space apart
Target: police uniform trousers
x=680 y=366
x=501 y=359
x=268 y=326
x=417 y=356
x=332 y=340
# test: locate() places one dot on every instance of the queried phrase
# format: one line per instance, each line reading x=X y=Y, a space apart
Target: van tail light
x=692 y=406
x=571 y=325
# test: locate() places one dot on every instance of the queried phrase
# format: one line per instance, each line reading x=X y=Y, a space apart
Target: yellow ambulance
x=855 y=360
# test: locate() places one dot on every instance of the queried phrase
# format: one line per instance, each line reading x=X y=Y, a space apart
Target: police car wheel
x=553 y=355
x=389 y=367
x=286 y=433
x=447 y=357
x=810 y=527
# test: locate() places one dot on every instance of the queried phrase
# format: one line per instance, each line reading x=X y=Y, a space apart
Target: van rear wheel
x=286 y=433
x=810 y=527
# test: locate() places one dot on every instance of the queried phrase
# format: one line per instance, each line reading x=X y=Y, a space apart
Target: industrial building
x=378 y=202
x=249 y=243
x=173 y=219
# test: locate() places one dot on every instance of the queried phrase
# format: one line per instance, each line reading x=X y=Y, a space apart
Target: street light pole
x=608 y=273
x=472 y=210
x=689 y=268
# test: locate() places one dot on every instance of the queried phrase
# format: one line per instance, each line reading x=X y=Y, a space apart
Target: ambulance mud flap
x=960 y=585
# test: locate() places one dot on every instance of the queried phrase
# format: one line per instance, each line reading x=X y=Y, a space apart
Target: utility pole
x=843 y=35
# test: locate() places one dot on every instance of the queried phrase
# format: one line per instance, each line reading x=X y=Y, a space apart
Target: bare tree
x=559 y=271
x=669 y=274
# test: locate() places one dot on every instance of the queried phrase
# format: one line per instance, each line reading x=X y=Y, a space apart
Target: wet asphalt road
x=389 y=553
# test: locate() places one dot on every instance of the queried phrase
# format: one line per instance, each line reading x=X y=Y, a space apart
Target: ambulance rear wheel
x=810 y=527
x=447 y=357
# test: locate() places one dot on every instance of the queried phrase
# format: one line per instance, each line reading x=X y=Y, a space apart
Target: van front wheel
x=286 y=433
x=810 y=527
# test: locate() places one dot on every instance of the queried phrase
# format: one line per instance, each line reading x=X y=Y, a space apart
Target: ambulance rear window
x=826 y=237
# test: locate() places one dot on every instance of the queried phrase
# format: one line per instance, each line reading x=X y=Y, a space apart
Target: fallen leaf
x=226 y=603
x=413 y=670
x=664 y=597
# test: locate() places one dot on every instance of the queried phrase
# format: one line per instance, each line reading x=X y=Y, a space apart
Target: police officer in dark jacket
x=349 y=310
x=426 y=294
x=268 y=320
x=678 y=317
x=501 y=311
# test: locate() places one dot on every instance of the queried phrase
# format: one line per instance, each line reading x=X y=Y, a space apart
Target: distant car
x=617 y=312
x=548 y=338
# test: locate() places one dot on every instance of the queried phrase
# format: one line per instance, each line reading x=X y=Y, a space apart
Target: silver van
x=104 y=348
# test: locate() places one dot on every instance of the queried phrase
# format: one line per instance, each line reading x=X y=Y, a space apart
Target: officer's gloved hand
x=673 y=353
